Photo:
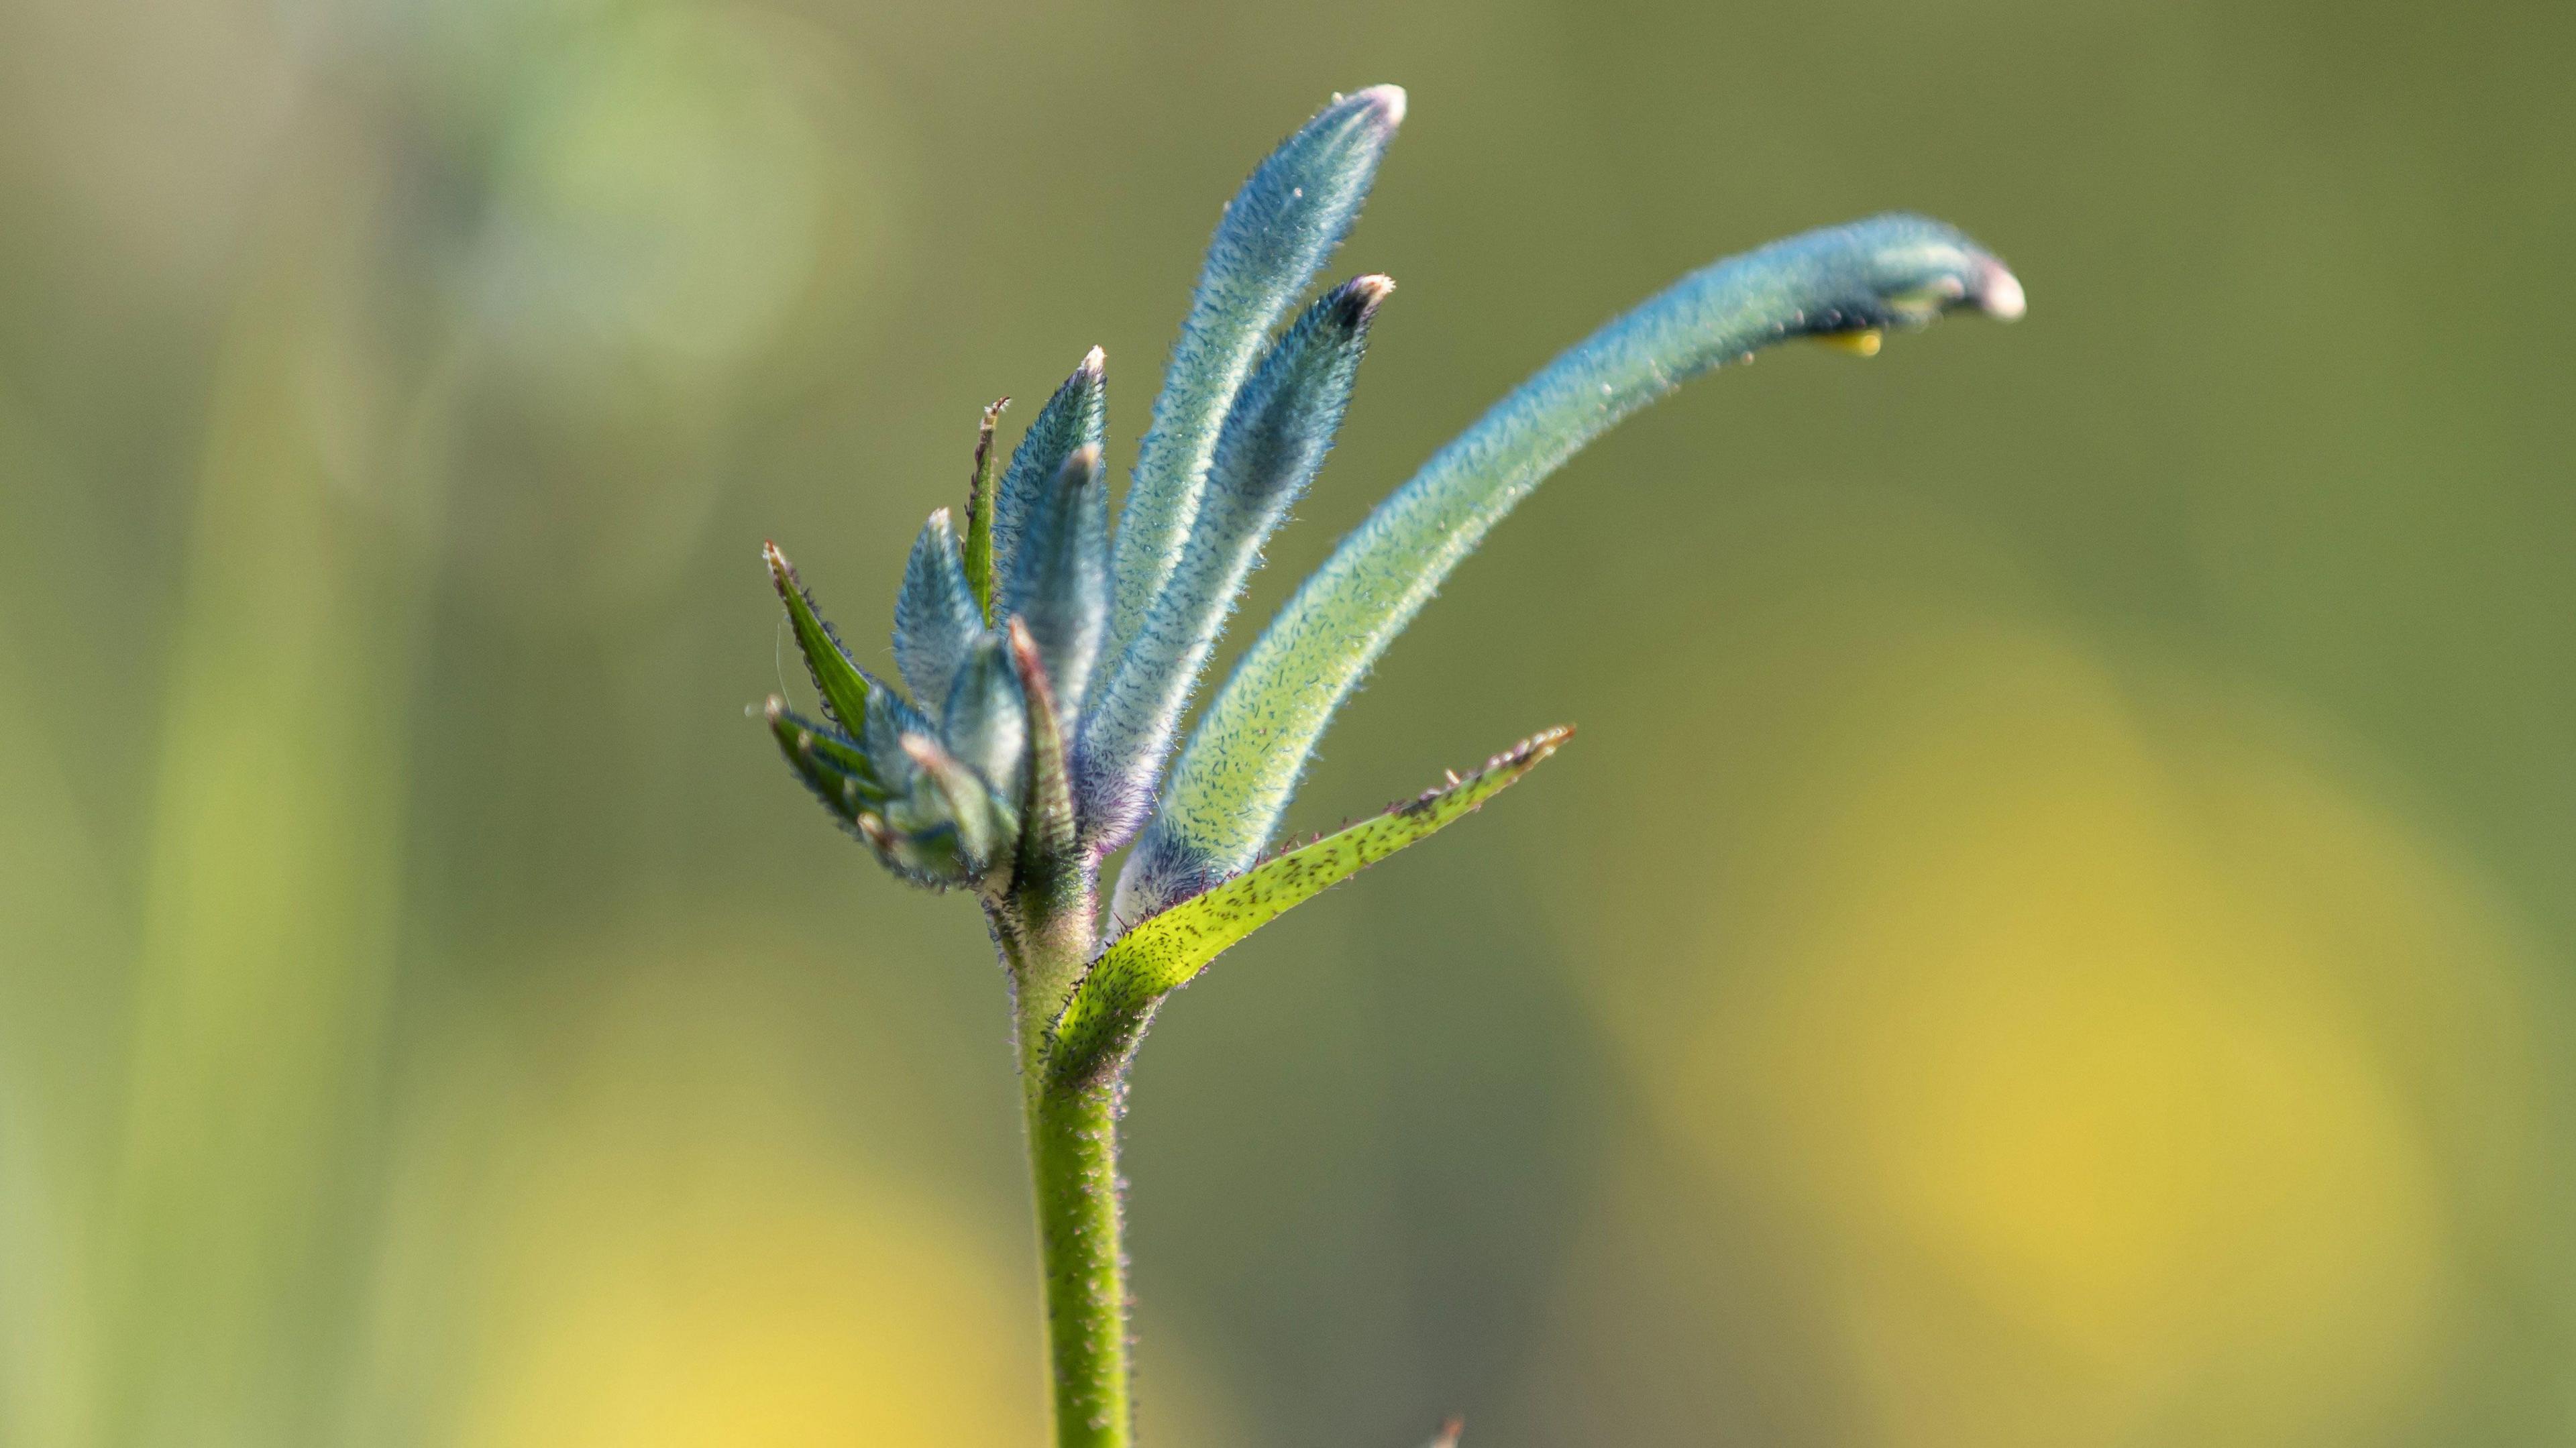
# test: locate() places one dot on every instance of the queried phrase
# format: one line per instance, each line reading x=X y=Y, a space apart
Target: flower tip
x=1353 y=305
x=781 y=572
x=1024 y=650
x=1531 y=752
x=1387 y=101
x=1095 y=363
x=1035 y=686
x=773 y=709
x=1999 y=293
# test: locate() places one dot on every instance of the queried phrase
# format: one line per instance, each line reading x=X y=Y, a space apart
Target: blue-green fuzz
x=1122 y=622
x=1047 y=652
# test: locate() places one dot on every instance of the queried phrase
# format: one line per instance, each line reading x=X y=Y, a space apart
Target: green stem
x=1073 y=1155
x=1073 y=1164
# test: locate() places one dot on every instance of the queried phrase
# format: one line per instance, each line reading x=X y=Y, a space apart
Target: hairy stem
x=1073 y=1155
x=1073 y=1165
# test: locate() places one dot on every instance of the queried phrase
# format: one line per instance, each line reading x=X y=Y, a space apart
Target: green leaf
x=1047 y=837
x=979 y=513
x=1117 y=997
x=843 y=687
x=831 y=766
x=1233 y=781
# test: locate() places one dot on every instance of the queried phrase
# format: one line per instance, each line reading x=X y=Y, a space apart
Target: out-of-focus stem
x=271 y=900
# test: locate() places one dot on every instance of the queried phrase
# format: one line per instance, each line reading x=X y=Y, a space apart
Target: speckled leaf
x=1158 y=956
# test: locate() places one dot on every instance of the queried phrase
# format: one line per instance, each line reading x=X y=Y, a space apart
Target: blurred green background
x=2060 y=927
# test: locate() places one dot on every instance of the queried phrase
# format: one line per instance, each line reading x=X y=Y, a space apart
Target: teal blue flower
x=1048 y=658
x=937 y=782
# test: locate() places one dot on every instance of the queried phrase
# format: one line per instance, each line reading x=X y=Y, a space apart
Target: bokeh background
x=2060 y=927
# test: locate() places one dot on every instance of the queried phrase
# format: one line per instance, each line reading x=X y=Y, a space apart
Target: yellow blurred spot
x=2084 y=1044
x=667 y=1244
x=775 y=1311
x=1863 y=343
